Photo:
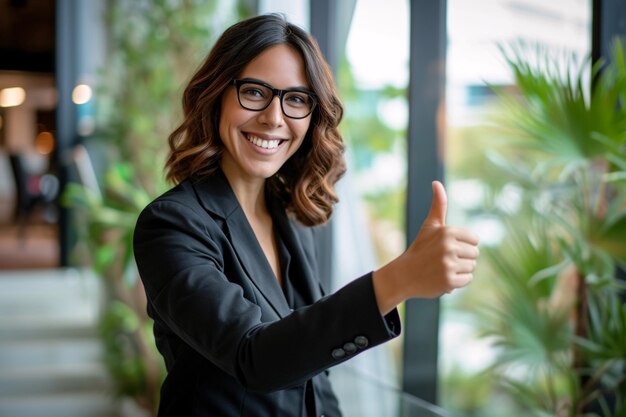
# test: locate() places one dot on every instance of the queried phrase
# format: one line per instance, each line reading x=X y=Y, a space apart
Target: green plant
x=108 y=223
x=560 y=323
x=154 y=45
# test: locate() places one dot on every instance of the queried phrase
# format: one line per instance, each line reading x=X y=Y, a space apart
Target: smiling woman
x=197 y=145
x=258 y=142
x=227 y=258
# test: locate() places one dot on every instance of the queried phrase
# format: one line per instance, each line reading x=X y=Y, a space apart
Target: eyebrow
x=296 y=88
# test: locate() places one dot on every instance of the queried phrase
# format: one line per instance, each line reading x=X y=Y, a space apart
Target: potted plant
x=559 y=320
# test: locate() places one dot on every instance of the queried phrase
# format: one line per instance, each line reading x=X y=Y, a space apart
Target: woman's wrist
x=387 y=291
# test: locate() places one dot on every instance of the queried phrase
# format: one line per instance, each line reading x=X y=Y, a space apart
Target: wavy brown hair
x=305 y=183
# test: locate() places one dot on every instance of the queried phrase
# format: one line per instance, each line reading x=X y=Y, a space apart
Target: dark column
x=80 y=53
x=425 y=164
x=324 y=28
x=66 y=74
x=323 y=24
x=609 y=22
x=329 y=23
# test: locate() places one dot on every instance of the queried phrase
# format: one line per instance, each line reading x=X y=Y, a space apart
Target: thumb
x=439 y=206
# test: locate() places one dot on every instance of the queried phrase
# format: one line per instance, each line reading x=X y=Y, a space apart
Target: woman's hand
x=440 y=259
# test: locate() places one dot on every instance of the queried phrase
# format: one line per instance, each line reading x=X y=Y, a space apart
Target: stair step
x=49 y=304
x=42 y=326
x=63 y=284
x=60 y=405
x=52 y=304
x=51 y=356
x=54 y=379
x=25 y=354
x=28 y=282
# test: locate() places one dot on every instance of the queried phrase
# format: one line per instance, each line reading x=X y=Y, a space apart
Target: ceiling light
x=11 y=97
x=81 y=94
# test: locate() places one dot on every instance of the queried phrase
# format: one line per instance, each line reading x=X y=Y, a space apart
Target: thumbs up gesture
x=440 y=259
x=438 y=208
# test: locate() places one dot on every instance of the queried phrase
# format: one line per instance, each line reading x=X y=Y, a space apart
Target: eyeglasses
x=296 y=103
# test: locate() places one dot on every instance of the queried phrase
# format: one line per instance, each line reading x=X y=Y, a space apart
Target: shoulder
x=177 y=219
x=180 y=198
x=208 y=195
x=180 y=211
x=182 y=193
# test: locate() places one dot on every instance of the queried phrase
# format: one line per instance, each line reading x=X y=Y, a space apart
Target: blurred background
x=517 y=105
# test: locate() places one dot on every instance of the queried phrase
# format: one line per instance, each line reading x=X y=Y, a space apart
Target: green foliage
x=466 y=393
x=117 y=327
x=109 y=220
x=560 y=320
x=154 y=46
x=385 y=204
x=108 y=224
x=528 y=323
x=605 y=348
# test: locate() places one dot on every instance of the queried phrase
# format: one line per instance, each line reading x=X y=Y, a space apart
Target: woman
x=227 y=256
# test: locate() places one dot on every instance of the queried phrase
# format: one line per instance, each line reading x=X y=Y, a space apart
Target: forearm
x=312 y=339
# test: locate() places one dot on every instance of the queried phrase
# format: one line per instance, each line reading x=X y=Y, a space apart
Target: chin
x=263 y=173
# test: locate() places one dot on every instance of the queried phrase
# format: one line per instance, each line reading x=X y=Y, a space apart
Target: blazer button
x=338 y=353
x=361 y=342
x=350 y=348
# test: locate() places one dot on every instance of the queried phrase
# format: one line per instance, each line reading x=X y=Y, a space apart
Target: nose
x=273 y=114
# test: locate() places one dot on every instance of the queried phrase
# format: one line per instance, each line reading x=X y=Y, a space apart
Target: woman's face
x=257 y=143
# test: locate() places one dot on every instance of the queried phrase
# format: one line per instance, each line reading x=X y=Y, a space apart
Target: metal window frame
x=608 y=22
x=67 y=66
x=427 y=72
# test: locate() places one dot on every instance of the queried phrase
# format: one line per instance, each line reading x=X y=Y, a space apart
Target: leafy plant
x=153 y=47
x=560 y=324
x=107 y=236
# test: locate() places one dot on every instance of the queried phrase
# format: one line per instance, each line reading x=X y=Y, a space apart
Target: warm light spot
x=11 y=97
x=81 y=94
x=44 y=143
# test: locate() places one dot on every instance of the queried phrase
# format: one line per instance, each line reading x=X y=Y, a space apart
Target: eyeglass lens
x=295 y=104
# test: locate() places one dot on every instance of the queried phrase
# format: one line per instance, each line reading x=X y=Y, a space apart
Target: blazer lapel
x=302 y=269
x=217 y=197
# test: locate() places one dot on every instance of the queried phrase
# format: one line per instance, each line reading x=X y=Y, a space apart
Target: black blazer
x=231 y=344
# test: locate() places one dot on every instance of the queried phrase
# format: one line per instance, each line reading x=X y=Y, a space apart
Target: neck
x=250 y=193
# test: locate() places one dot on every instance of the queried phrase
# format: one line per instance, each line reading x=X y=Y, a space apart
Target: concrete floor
x=32 y=244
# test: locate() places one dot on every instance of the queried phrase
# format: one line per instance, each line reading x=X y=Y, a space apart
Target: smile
x=263 y=143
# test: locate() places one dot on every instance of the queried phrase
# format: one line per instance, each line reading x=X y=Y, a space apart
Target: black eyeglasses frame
x=275 y=92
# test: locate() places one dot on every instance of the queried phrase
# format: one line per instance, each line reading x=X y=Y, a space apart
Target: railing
x=362 y=395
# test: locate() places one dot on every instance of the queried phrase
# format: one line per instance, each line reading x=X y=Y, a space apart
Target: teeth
x=266 y=144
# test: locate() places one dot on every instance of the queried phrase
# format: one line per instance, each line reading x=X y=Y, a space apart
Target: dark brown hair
x=305 y=183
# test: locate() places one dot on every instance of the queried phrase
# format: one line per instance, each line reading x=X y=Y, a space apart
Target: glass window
x=369 y=219
x=476 y=29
